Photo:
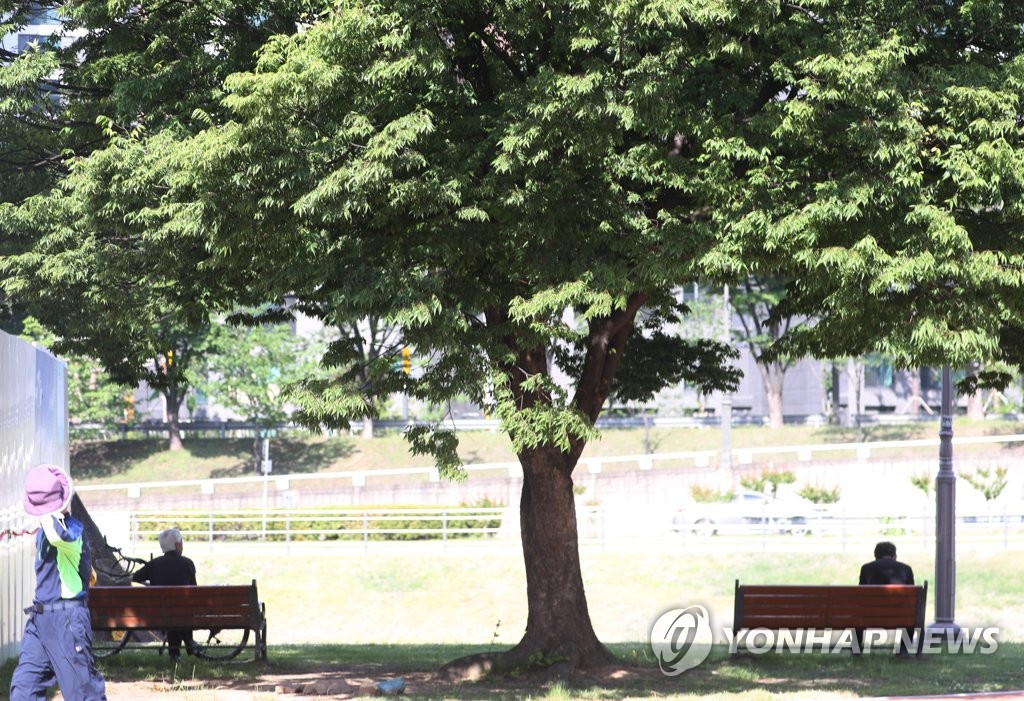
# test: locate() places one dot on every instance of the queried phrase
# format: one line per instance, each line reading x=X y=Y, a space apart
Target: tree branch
x=607 y=341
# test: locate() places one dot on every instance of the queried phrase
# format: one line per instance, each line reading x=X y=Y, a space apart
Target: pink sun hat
x=48 y=490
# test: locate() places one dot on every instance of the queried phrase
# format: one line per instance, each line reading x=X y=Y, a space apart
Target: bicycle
x=219 y=645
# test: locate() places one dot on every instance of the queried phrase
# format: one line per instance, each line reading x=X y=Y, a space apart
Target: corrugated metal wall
x=33 y=429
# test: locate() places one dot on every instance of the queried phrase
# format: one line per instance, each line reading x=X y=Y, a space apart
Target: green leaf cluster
x=990 y=483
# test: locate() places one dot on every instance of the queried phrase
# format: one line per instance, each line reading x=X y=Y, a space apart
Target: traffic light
x=407 y=360
x=129 y=407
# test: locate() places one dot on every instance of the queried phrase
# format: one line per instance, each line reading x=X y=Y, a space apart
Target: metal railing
x=321 y=525
x=605 y=527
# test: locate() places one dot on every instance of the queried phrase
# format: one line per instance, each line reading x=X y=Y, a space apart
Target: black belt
x=56 y=606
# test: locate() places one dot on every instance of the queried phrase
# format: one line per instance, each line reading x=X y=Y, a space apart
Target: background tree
x=755 y=301
x=368 y=339
x=924 y=481
x=99 y=301
x=916 y=404
x=356 y=347
x=115 y=70
x=820 y=494
x=990 y=483
x=248 y=370
x=705 y=318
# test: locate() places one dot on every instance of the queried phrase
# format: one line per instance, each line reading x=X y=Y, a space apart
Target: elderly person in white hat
x=58 y=635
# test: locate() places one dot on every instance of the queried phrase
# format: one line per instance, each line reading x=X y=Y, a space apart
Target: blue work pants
x=58 y=647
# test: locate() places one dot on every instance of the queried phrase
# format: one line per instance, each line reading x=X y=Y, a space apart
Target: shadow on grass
x=875 y=432
x=104 y=459
x=95 y=459
x=303 y=456
x=767 y=676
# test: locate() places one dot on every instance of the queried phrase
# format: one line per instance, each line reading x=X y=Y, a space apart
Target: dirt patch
x=361 y=682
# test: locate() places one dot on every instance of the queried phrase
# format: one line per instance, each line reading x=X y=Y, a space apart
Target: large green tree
x=520 y=187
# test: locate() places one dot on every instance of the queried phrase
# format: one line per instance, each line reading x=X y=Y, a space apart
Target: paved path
x=980 y=696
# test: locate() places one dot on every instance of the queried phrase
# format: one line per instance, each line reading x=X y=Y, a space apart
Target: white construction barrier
x=33 y=429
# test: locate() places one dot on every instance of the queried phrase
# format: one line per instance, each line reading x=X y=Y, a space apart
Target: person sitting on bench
x=171 y=568
x=886 y=569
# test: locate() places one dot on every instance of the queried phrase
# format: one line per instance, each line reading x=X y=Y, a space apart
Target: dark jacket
x=886 y=570
x=170 y=568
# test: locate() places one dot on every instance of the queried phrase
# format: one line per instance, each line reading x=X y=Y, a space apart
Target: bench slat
x=837 y=607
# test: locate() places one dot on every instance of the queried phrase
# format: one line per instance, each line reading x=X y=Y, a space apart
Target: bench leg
x=261 y=636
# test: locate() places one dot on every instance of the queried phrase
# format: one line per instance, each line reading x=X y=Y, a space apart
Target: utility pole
x=945 y=515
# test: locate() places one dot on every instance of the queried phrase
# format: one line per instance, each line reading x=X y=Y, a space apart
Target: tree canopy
x=894 y=185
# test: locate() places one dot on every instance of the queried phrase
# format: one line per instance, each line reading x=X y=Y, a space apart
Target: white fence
x=323 y=525
x=33 y=429
x=426 y=530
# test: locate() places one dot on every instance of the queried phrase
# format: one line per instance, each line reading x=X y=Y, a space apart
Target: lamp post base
x=942 y=629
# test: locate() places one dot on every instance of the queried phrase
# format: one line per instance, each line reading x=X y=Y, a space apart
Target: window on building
x=42 y=14
x=25 y=40
x=878 y=372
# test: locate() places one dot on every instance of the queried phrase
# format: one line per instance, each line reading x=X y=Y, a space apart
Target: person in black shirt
x=886 y=569
x=171 y=568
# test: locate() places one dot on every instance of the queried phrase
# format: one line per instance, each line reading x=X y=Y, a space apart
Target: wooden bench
x=119 y=610
x=779 y=607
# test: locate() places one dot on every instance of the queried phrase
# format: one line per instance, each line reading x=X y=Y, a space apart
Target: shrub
x=819 y=495
x=707 y=495
x=772 y=477
x=924 y=482
x=990 y=483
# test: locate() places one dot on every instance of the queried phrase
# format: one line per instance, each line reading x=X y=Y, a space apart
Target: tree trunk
x=773 y=375
x=367 y=428
x=916 y=400
x=976 y=406
x=835 y=416
x=559 y=633
x=173 y=402
x=558 y=626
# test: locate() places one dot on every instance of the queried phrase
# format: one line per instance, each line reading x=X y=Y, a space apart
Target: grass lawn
x=466 y=594
x=386 y=614
x=409 y=603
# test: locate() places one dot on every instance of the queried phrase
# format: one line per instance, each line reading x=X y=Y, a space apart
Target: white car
x=747 y=512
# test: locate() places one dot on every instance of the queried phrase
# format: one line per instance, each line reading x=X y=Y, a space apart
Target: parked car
x=747 y=512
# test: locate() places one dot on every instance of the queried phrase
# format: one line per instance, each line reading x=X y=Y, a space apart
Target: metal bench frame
x=161 y=608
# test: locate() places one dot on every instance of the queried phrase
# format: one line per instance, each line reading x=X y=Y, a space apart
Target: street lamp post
x=945 y=515
x=726 y=461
